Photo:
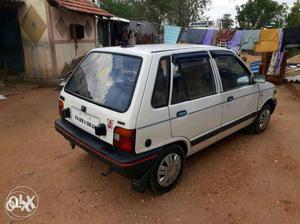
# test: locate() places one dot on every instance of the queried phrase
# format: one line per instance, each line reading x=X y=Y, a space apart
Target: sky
x=219 y=7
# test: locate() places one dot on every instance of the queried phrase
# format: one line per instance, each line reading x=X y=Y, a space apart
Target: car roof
x=156 y=48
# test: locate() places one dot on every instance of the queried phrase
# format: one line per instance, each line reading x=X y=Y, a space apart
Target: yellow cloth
x=269 y=39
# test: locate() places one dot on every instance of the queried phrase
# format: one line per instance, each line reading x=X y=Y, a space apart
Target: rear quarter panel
x=152 y=124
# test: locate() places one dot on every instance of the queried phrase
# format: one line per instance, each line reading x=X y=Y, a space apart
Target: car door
x=195 y=106
x=240 y=93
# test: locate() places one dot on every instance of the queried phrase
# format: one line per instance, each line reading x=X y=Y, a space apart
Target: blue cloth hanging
x=171 y=34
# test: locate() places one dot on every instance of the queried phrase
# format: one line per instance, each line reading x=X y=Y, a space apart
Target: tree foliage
x=174 y=12
x=227 y=21
x=183 y=12
x=293 y=18
x=256 y=14
x=124 y=8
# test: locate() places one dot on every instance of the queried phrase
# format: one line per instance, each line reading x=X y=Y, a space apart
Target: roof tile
x=84 y=6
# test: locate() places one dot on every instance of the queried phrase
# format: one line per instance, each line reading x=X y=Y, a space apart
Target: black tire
x=256 y=127
x=169 y=151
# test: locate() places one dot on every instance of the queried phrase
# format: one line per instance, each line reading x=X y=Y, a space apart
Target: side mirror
x=259 y=79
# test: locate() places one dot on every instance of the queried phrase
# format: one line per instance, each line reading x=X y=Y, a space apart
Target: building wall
x=46 y=40
x=34 y=32
x=66 y=49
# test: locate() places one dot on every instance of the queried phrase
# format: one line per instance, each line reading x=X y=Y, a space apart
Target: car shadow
x=92 y=168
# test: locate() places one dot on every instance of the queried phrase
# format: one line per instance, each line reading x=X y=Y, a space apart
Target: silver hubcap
x=264 y=119
x=169 y=169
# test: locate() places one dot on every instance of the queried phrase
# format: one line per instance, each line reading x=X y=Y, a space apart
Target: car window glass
x=179 y=90
x=233 y=73
x=193 y=78
x=106 y=79
x=161 y=87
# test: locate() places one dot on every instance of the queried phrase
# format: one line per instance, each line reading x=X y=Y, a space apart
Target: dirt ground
x=242 y=179
x=295 y=59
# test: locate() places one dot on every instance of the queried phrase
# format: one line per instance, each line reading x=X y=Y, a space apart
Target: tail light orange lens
x=124 y=139
x=60 y=107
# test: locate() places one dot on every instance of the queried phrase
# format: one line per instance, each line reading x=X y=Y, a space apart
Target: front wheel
x=167 y=169
x=261 y=122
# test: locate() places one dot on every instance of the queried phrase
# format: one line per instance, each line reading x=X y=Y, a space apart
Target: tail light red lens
x=60 y=107
x=124 y=139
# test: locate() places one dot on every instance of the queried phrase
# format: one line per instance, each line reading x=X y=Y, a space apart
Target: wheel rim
x=169 y=169
x=264 y=119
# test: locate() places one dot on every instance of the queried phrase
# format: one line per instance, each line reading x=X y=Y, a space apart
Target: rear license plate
x=84 y=120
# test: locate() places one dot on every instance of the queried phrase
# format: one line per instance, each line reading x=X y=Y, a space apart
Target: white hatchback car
x=142 y=110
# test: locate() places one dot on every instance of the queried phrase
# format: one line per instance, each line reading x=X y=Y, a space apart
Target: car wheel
x=167 y=169
x=261 y=122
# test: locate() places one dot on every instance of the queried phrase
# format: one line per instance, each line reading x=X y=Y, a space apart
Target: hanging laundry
x=234 y=43
x=271 y=67
x=224 y=36
x=171 y=34
x=291 y=36
x=269 y=39
x=183 y=36
x=280 y=53
x=277 y=56
x=208 y=37
x=250 y=38
x=214 y=38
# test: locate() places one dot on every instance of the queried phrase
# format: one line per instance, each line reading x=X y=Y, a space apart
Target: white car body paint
x=204 y=115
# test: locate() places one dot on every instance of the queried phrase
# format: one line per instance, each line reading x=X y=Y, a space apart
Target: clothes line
x=261 y=41
x=265 y=40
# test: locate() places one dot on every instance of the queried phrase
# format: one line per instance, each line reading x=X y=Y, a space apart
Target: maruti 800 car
x=144 y=109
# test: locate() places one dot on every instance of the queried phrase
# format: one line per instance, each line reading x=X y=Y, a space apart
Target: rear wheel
x=167 y=169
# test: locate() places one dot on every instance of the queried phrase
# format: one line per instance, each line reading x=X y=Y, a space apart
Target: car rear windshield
x=106 y=79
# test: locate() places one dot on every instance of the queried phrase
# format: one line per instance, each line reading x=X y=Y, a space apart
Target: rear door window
x=106 y=79
x=193 y=78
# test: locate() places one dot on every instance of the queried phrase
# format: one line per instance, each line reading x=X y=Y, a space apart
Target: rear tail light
x=124 y=139
x=60 y=107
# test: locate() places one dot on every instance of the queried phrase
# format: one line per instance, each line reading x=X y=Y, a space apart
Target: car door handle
x=181 y=113
x=230 y=98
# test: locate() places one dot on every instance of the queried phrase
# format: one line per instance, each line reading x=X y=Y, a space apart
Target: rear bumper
x=130 y=165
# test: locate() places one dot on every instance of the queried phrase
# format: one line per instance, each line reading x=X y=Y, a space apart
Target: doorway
x=11 y=49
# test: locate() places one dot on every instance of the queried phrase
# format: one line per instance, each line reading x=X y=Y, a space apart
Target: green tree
x=124 y=8
x=174 y=12
x=256 y=14
x=183 y=12
x=227 y=21
x=293 y=18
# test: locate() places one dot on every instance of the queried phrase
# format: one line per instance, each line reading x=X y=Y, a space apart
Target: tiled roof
x=83 y=6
